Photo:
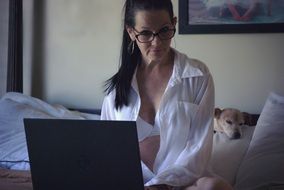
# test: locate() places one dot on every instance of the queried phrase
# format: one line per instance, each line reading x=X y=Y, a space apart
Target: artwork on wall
x=230 y=16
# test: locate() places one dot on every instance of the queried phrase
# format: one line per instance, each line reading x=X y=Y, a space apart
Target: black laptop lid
x=83 y=154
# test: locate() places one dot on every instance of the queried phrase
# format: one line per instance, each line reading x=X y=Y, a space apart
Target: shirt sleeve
x=192 y=161
x=108 y=108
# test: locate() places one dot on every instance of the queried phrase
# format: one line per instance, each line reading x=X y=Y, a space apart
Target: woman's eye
x=229 y=122
x=165 y=29
x=146 y=33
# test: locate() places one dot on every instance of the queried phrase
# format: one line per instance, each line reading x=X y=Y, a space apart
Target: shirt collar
x=183 y=68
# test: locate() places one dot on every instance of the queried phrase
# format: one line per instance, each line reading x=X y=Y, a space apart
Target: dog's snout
x=236 y=135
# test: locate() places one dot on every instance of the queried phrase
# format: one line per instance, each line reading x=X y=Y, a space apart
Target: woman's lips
x=156 y=50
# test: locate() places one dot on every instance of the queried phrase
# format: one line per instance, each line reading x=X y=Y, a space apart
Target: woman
x=169 y=95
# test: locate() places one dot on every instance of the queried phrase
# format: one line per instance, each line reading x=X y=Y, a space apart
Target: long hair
x=121 y=81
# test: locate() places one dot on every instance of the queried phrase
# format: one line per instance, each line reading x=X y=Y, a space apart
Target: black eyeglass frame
x=154 y=35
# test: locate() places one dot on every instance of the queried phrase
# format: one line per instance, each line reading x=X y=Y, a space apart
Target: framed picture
x=230 y=16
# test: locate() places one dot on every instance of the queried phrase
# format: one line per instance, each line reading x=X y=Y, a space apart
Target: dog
x=229 y=121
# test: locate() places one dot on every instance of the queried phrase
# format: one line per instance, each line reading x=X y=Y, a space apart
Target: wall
x=81 y=44
x=28 y=46
x=4 y=22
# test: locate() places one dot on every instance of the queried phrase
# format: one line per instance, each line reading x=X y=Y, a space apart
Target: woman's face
x=146 y=23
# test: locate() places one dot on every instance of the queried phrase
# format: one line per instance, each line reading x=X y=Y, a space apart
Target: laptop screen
x=83 y=154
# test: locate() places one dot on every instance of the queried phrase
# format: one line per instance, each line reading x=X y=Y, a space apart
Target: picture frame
x=212 y=23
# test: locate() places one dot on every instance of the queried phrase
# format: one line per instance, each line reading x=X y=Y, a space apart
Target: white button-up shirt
x=185 y=120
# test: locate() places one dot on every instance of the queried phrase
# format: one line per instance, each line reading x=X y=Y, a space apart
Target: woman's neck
x=166 y=61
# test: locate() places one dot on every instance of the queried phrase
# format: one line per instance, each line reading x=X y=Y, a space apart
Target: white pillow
x=227 y=154
x=13 y=108
x=13 y=149
x=263 y=165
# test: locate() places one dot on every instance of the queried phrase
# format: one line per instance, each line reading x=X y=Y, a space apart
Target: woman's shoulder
x=190 y=66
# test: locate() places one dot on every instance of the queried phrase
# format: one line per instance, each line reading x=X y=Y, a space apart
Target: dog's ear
x=217 y=113
x=250 y=119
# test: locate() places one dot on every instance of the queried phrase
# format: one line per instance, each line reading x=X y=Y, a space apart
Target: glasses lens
x=145 y=37
x=166 y=34
x=148 y=36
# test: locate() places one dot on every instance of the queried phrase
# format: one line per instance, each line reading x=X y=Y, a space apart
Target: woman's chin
x=156 y=57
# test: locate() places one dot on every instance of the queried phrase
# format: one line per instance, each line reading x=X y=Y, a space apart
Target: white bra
x=144 y=129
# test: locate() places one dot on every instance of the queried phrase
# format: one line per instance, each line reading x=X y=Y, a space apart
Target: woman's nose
x=156 y=40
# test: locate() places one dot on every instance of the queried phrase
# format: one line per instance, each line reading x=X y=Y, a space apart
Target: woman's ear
x=175 y=21
x=130 y=32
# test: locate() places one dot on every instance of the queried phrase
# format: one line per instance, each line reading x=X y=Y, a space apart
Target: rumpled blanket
x=13 y=108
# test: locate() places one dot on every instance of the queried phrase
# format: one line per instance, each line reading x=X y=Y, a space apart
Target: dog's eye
x=229 y=122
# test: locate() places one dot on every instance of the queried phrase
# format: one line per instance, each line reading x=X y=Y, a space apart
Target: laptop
x=83 y=154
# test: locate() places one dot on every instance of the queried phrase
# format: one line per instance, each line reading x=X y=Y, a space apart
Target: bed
x=14 y=162
x=256 y=161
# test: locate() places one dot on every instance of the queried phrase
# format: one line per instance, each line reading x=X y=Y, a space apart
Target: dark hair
x=121 y=81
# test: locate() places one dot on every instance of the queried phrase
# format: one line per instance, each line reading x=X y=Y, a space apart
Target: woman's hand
x=150 y=188
x=158 y=187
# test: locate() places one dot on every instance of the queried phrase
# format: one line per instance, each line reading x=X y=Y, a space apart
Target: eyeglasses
x=147 y=36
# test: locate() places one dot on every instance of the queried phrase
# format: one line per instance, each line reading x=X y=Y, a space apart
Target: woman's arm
x=108 y=108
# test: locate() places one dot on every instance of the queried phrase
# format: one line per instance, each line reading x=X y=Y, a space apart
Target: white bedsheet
x=13 y=108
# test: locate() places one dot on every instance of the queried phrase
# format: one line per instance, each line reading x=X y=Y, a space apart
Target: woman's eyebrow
x=145 y=28
x=148 y=28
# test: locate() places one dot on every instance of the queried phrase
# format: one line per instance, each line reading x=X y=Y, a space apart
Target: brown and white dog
x=229 y=121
